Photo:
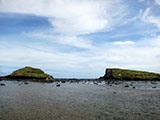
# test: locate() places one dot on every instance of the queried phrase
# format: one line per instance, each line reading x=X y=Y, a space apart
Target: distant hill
x=29 y=73
x=35 y=74
x=125 y=74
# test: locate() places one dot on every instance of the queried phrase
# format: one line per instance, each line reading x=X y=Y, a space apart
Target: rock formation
x=124 y=74
x=30 y=73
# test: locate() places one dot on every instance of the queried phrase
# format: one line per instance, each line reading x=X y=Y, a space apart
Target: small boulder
x=154 y=83
x=58 y=85
x=154 y=87
x=49 y=78
x=126 y=86
x=2 y=84
x=26 y=83
x=63 y=81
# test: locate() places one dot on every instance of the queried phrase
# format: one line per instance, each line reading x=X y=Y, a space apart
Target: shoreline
x=63 y=80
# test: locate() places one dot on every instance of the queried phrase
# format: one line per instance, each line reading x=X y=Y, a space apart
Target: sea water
x=80 y=101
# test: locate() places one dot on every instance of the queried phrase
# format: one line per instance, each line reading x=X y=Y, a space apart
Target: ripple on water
x=79 y=101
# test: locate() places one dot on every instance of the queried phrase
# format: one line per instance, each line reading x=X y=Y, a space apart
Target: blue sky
x=79 y=38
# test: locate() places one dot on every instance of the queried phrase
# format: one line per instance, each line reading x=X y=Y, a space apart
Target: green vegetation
x=29 y=72
x=124 y=74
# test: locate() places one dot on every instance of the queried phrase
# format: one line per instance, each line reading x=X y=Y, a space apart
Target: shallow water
x=79 y=101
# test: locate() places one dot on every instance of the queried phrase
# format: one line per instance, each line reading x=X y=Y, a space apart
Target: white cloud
x=70 y=19
x=70 y=16
x=157 y=1
x=69 y=40
x=143 y=55
x=141 y=0
x=148 y=18
x=124 y=43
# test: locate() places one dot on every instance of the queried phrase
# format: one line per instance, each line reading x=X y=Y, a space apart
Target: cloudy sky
x=79 y=38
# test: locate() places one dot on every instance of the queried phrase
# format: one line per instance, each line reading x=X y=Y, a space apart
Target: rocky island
x=131 y=75
x=111 y=74
x=29 y=73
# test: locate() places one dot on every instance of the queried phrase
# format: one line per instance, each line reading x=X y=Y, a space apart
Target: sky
x=79 y=38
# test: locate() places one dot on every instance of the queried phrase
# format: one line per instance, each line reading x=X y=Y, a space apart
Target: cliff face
x=124 y=74
x=29 y=73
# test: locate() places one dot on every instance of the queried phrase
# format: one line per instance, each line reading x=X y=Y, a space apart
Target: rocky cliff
x=124 y=74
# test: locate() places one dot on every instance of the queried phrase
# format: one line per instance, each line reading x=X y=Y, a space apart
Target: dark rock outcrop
x=2 y=84
x=124 y=74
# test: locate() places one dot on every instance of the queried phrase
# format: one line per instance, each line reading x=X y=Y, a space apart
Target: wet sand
x=80 y=101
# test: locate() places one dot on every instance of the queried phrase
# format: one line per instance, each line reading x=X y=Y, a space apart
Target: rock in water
x=154 y=87
x=26 y=83
x=126 y=86
x=2 y=84
x=30 y=73
x=124 y=74
x=58 y=85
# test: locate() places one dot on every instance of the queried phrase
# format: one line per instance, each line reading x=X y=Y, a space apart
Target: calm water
x=79 y=101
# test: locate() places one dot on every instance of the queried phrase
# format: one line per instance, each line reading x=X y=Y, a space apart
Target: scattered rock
x=154 y=83
x=20 y=84
x=131 y=84
x=154 y=87
x=58 y=85
x=72 y=81
x=2 y=84
x=95 y=83
x=26 y=83
x=134 y=87
x=126 y=86
x=114 y=92
x=63 y=81
x=116 y=83
x=49 y=78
